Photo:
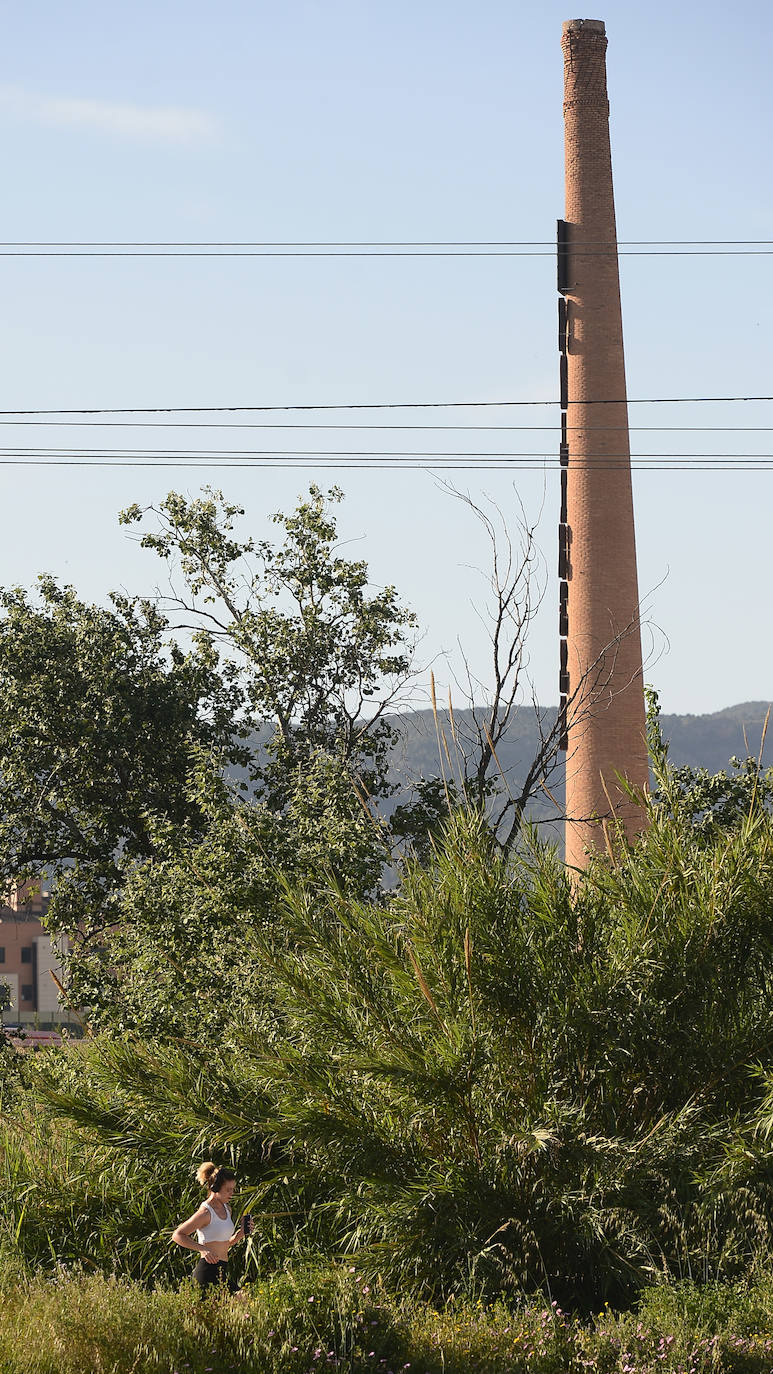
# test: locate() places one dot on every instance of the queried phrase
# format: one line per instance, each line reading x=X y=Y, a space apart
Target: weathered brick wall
x=605 y=735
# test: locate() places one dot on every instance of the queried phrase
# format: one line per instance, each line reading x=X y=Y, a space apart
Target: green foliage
x=706 y=802
x=490 y=1081
x=418 y=822
x=98 y=718
x=493 y=1081
x=115 y=739
x=68 y=1200
x=291 y=1323
x=78 y=1325
x=300 y=1320
x=320 y=655
x=178 y=961
x=509 y=1081
x=685 y=1327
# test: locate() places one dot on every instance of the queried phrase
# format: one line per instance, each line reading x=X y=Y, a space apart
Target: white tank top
x=218 y=1228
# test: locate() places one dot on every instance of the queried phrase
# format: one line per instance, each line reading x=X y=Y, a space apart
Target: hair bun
x=205 y=1172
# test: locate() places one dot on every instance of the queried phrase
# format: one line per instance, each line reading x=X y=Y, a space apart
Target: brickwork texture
x=606 y=720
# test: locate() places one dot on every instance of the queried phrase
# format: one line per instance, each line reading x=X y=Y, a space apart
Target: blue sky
x=352 y=121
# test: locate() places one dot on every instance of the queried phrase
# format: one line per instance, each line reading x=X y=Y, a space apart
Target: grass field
x=329 y=1318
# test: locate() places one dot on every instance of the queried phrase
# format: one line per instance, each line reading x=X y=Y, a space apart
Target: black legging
x=207 y=1274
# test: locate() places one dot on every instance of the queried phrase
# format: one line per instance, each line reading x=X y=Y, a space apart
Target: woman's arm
x=237 y=1235
x=183 y=1234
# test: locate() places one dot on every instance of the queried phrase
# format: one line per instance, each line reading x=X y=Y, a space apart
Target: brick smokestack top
x=606 y=724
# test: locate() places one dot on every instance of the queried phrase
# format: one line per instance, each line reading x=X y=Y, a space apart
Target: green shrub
x=68 y=1199
x=488 y=1083
x=684 y=1329
x=323 y=1317
x=290 y=1324
x=506 y=1083
x=72 y=1325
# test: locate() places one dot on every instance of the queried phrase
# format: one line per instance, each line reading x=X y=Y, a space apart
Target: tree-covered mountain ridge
x=701 y=741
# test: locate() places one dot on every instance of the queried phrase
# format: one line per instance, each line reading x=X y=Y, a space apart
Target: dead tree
x=517 y=589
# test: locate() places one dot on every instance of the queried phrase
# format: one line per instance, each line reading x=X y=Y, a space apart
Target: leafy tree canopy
x=99 y=715
x=708 y=802
x=117 y=725
x=321 y=656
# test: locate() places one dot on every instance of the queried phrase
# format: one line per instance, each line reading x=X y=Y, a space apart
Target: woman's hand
x=210 y=1257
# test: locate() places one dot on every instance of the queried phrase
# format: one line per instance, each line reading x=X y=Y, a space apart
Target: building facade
x=28 y=959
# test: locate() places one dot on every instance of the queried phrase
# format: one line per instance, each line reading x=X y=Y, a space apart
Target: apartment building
x=28 y=958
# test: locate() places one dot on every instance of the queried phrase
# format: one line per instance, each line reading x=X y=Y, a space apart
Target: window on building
x=2 y=954
x=26 y=954
x=26 y=992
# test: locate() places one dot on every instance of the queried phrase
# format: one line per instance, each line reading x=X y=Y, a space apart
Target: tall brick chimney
x=601 y=648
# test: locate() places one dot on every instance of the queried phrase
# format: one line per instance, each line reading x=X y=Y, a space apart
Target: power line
x=381 y=405
x=457 y=429
x=374 y=459
x=765 y=465
x=377 y=252
x=407 y=248
x=49 y=450
x=376 y=243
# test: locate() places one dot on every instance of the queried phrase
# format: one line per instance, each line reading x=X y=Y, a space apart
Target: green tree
x=494 y=1077
x=321 y=657
x=708 y=802
x=117 y=726
x=99 y=716
x=179 y=960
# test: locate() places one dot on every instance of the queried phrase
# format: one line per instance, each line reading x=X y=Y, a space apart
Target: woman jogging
x=215 y=1233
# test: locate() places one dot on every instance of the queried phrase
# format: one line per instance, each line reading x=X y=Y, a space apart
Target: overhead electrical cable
x=378 y=459
x=376 y=243
x=486 y=465
x=421 y=428
x=406 y=248
x=332 y=253
x=49 y=450
x=378 y=405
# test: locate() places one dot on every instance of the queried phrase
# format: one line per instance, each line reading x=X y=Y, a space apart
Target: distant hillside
x=708 y=741
x=711 y=741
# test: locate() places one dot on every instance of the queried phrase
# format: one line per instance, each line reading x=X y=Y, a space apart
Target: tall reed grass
x=67 y=1199
x=492 y=1082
